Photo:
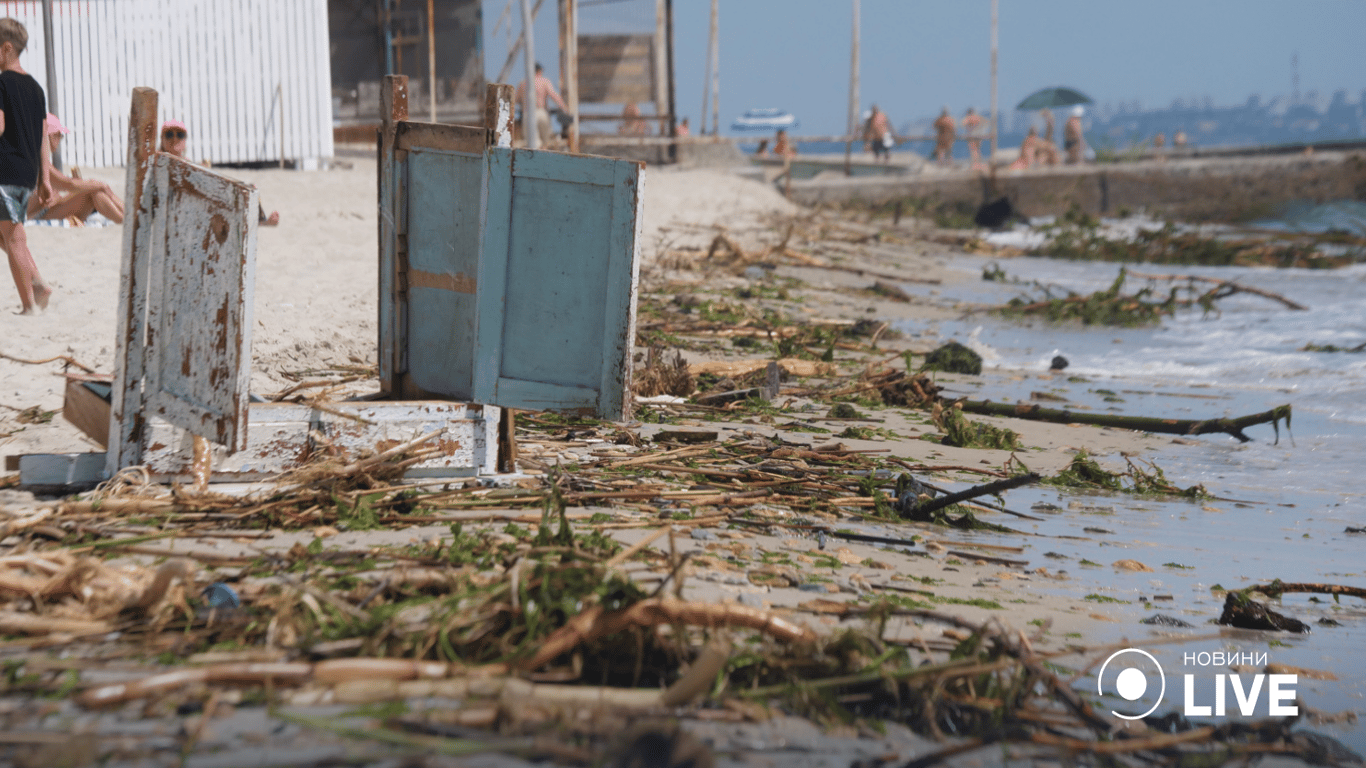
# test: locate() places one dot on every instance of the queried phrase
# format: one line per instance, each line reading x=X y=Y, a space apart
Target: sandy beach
x=315 y=307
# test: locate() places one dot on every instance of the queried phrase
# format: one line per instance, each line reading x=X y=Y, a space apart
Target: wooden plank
x=393 y=110
x=498 y=114
x=284 y=436
x=507 y=437
x=557 y=278
x=450 y=138
x=444 y=195
x=201 y=280
x=86 y=405
x=125 y=420
x=61 y=471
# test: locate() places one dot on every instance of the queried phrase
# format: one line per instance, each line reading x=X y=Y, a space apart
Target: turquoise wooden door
x=558 y=268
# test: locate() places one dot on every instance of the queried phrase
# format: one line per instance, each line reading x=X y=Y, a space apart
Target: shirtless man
x=544 y=90
x=78 y=197
x=878 y=135
x=1072 y=139
x=972 y=124
x=781 y=146
x=1047 y=115
x=174 y=137
x=944 y=132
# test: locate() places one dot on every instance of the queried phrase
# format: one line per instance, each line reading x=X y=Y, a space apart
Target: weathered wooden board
x=282 y=437
x=558 y=270
x=202 y=261
x=444 y=211
x=617 y=69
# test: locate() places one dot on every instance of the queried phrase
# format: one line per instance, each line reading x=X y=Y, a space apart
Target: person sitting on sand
x=25 y=164
x=762 y=149
x=76 y=196
x=1072 y=139
x=1027 y=150
x=944 y=132
x=174 y=137
x=781 y=147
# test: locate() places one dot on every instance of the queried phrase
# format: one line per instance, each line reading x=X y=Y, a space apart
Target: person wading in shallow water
x=174 y=137
x=25 y=163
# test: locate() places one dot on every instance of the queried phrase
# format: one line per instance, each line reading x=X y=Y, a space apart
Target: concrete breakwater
x=1198 y=189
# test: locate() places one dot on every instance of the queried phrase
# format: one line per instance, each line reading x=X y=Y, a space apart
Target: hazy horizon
x=917 y=57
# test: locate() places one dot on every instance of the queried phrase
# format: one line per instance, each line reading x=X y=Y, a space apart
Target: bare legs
x=33 y=291
x=90 y=196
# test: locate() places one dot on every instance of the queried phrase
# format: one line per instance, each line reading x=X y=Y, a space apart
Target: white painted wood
x=211 y=61
x=202 y=274
x=60 y=470
x=285 y=436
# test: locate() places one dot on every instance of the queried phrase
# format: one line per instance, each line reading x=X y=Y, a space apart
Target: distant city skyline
x=919 y=56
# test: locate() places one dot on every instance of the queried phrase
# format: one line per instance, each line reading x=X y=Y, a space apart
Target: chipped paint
x=200 y=254
x=284 y=436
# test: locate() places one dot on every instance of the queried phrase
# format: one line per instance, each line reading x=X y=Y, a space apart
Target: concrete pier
x=1194 y=189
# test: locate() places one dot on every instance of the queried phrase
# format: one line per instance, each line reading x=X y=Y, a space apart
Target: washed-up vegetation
x=1079 y=236
x=1145 y=306
x=539 y=633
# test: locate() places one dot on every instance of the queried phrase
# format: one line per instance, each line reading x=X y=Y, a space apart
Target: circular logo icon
x=1131 y=682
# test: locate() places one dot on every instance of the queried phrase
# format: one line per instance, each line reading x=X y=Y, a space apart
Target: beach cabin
x=251 y=78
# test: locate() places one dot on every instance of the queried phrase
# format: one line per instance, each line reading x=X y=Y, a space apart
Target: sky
x=918 y=56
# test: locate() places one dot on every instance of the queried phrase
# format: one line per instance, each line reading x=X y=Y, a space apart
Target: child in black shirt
x=25 y=162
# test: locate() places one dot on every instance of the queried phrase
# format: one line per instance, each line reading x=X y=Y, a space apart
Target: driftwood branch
x=1223 y=288
x=909 y=505
x=1278 y=588
x=1234 y=426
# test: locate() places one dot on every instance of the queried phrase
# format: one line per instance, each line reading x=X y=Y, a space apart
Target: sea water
x=1284 y=500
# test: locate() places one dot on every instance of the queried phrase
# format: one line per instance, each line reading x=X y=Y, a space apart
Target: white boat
x=764 y=120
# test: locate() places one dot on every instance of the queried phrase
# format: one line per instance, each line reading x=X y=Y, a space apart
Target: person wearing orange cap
x=174 y=137
x=74 y=196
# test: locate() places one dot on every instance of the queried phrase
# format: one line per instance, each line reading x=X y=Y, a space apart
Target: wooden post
x=50 y=60
x=125 y=416
x=715 y=70
x=515 y=49
x=571 y=78
x=498 y=114
x=529 y=132
x=393 y=110
x=660 y=66
x=706 y=86
x=507 y=441
x=995 y=121
x=853 y=97
x=280 y=108
x=669 y=47
x=431 y=59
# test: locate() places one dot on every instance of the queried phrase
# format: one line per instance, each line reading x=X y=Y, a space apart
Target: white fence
x=250 y=78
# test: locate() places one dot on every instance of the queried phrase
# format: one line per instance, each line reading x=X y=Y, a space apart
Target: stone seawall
x=1204 y=189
